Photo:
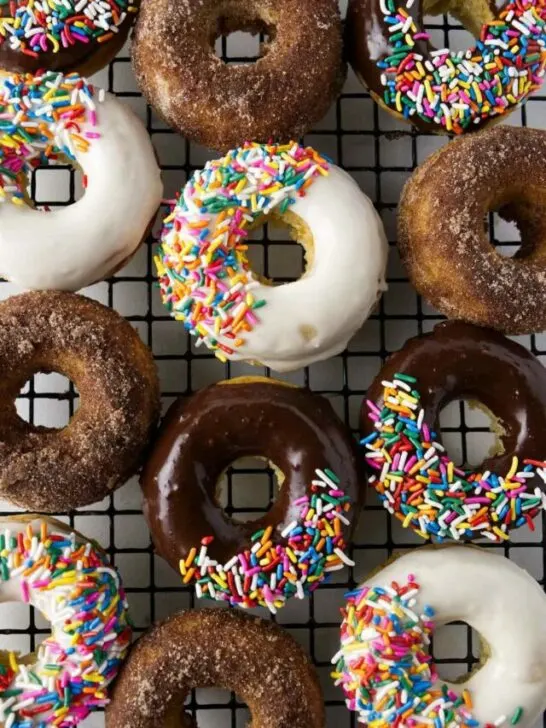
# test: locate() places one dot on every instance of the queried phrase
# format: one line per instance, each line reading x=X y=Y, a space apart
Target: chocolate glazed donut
x=200 y=437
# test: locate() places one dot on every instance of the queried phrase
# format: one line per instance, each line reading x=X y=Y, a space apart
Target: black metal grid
x=364 y=142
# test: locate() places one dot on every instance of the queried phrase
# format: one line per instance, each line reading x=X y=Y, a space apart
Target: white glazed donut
x=73 y=246
x=435 y=586
x=73 y=585
x=206 y=278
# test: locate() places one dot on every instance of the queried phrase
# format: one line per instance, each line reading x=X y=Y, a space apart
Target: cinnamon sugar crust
x=442 y=235
x=220 y=106
x=222 y=649
x=52 y=470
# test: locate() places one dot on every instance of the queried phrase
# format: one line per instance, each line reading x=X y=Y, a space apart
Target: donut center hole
x=213 y=707
x=457 y=650
x=470 y=432
x=248 y=488
x=274 y=258
x=504 y=235
x=239 y=39
x=48 y=400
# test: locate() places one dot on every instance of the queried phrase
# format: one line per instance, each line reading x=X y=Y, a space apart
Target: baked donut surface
x=443 y=240
x=51 y=470
x=221 y=106
x=254 y=658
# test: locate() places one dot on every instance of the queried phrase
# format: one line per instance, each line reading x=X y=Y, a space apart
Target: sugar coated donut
x=260 y=662
x=415 y=477
x=71 y=582
x=437 y=89
x=220 y=105
x=75 y=35
x=444 y=244
x=206 y=278
x=51 y=470
x=384 y=664
x=300 y=540
x=51 y=118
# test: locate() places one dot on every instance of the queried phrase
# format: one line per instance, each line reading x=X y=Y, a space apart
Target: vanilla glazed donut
x=224 y=649
x=384 y=665
x=439 y=90
x=205 y=275
x=444 y=244
x=51 y=118
x=220 y=105
x=71 y=582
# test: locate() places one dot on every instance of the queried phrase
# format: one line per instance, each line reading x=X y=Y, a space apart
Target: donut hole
x=248 y=488
x=470 y=432
x=504 y=235
x=458 y=651
x=274 y=258
x=211 y=707
x=241 y=36
x=49 y=400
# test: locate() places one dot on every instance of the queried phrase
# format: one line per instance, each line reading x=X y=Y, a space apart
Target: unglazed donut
x=206 y=279
x=52 y=470
x=71 y=582
x=384 y=664
x=439 y=90
x=414 y=476
x=443 y=242
x=266 y=561
x=50 y=118
x=82 y=36
x=221 y=106
x=221 y=649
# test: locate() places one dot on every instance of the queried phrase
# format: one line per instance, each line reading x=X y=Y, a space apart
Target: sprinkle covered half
x=419 y=484
x=384 y=666
x=291 y=563
x=41 y=123
x=77 y=590
x=37 y=27
x=204 y=273
x=459 y=90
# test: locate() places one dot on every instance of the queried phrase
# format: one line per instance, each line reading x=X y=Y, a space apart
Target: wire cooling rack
x=380 y=153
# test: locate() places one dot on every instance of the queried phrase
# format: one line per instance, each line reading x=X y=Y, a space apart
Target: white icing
x=504 y=604
x=339 y=289
x=378 y=46
x=74 y=246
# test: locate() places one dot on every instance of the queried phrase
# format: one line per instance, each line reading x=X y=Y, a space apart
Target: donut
x=384 y=664
x=443 y=242
x=49 y=470
x=413 y=474
x=78 y=35
x=72 y=583
x=206 y=278
x=439 y=90
x=221 y=106
x=51 y=118
x=292 y=548
x=255 y=658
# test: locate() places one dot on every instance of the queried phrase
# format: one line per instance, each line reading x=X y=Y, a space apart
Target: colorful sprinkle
x=204 y=273
x=42 y=122
x=384 y=665
x=421 y=486
x=459 y=90
x=291 y=563
x=72 y=584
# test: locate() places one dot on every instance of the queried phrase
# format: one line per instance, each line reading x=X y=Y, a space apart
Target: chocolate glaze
x=461 y=361
x=201 y=436
x=364 y=20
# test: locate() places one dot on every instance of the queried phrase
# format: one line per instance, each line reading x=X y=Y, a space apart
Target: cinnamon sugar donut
x=221 y=106
x=51 y=470
x=256 y=659
x=443 y=241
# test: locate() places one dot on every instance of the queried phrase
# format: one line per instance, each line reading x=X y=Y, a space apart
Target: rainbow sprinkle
x=34 y=27
x=459 y=90
x=384 y=666
x=204 y=273
x=271 y=571
x=420 y=485
x=73 y=585
x=41 y=120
